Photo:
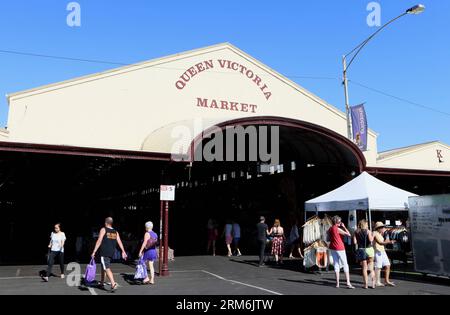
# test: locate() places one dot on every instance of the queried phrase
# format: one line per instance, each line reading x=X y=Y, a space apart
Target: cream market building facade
x=98 y=145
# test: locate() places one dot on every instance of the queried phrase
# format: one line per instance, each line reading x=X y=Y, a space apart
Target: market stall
x=364 y=193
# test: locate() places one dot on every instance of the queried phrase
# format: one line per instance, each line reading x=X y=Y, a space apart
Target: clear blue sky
x=411 y=59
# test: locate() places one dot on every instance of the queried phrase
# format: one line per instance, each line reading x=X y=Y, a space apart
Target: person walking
x=277 y=232
x=236 y=238
x=365 y=253
x=56 y=250
x=228 y=232
x=337 y=249
x=263 y=231
x=213 y=233
x=294 y=240
x=148 y=251
x=107 y=242
x=381 y=258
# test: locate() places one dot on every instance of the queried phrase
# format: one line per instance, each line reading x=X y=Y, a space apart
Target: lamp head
x=417 y=9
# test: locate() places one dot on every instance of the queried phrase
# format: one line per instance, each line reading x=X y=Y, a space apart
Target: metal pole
x=347 y=101
x=165 y=267
x=160 y=235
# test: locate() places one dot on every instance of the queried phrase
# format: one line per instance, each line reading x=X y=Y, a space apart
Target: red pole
x=165 y=267
x=160 y=236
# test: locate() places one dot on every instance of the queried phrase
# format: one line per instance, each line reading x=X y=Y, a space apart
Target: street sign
x=167 y=193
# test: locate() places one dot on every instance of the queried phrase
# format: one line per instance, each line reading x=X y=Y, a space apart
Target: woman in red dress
x=277 y=232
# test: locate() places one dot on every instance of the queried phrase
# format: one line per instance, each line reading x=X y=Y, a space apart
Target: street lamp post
x=417 y=9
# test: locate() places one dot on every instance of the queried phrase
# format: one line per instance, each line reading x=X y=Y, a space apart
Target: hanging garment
x=309 y=257
x=312 y=230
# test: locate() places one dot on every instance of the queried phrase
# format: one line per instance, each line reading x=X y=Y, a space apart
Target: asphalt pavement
x=206 y=275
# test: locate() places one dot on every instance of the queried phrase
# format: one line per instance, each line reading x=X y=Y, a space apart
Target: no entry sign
x=167 y=193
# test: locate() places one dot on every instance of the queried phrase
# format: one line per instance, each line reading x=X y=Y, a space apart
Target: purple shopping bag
x=141 y=270
x=91 y=270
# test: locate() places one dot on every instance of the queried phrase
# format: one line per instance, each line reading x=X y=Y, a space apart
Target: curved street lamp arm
x=364 y=43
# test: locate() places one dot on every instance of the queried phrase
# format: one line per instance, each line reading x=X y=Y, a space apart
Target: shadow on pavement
x=129 y=278
x=328 y=282
x=322 y=283
x=291 y=265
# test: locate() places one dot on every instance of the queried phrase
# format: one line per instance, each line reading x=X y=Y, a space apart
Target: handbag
x=151 y=242
x=141 y=270
x=361 y=253
x=91 y=269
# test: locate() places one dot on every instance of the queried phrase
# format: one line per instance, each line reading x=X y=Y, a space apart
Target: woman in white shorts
x=381 y=258
x=337 y=250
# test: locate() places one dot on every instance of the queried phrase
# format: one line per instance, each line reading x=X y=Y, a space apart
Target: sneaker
x=62 y=276
x=45 y=279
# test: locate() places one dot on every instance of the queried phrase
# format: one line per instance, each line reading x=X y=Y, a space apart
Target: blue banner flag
x=360 y=128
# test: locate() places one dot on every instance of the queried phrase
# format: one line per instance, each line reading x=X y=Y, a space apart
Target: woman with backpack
x=148 y=251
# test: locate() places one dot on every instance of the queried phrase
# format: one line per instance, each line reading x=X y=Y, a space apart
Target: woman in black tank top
x=365 y=253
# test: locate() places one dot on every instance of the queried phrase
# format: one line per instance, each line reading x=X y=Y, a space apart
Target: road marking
x=37 y=277
x=14 y=278
x=92 y=291
x=242 y=283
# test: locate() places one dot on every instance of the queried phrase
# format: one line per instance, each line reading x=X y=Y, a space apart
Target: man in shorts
x=107 y=242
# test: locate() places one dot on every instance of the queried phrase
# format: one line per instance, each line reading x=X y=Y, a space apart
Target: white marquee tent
x=365 y=192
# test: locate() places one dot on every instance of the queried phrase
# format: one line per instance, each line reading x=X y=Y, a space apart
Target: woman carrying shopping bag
x=148 y=251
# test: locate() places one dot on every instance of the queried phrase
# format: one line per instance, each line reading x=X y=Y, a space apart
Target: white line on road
x=92 y=291
x=242 y=283
x=16 y=278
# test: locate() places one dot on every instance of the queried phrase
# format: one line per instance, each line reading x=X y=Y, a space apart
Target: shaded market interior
x=39 y=188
